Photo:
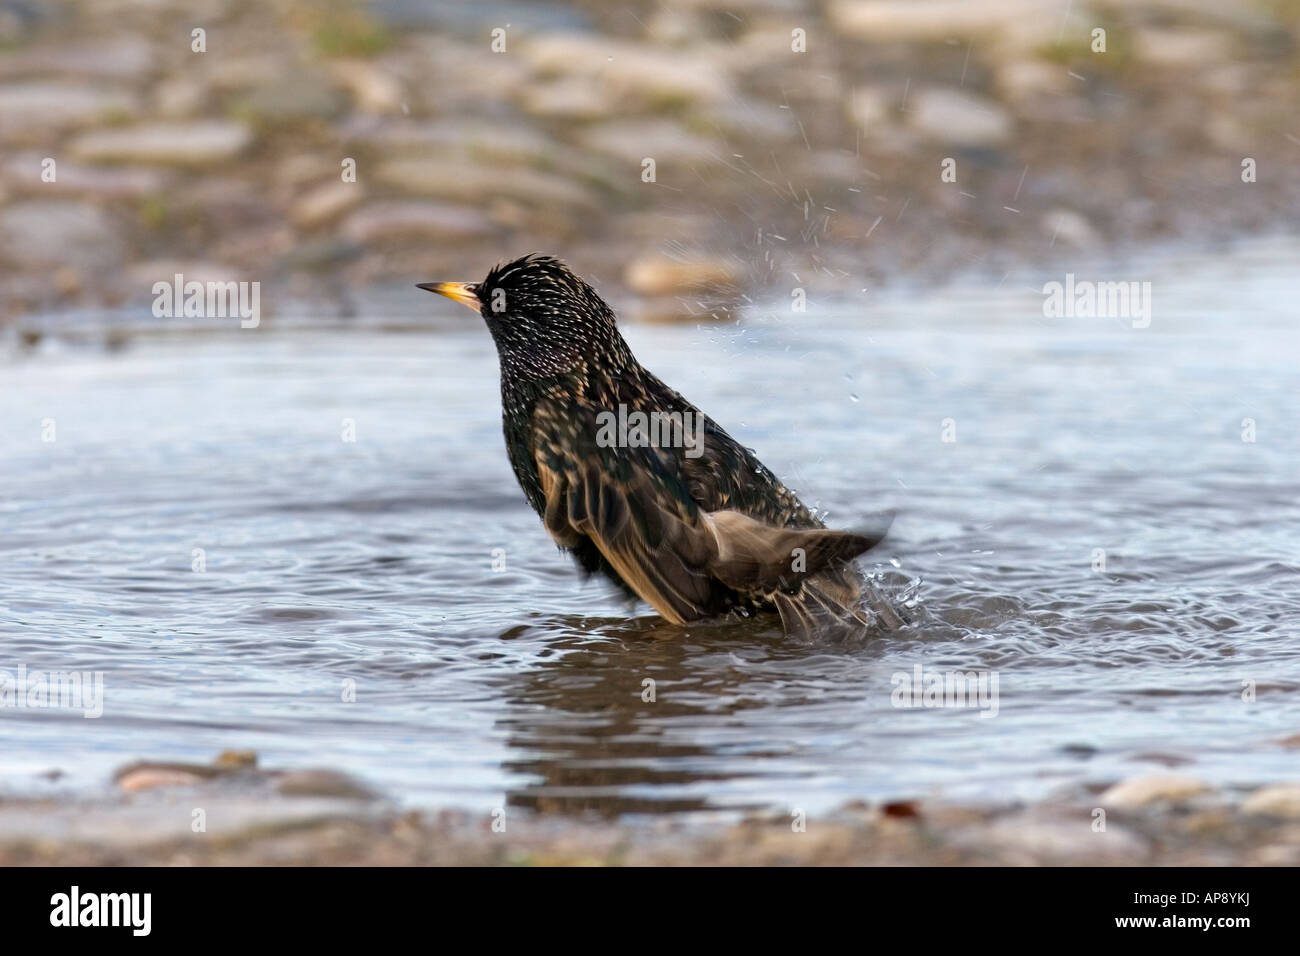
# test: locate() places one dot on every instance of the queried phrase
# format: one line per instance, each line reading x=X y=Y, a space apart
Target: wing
x=630 y=504
x=727 y=475
x=634 y=506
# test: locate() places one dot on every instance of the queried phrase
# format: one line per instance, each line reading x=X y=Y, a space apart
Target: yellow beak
x=461 y=292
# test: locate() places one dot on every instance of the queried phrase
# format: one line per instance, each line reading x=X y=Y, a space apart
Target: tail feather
x=805 y=572
x=759 y=557
x=825 y=608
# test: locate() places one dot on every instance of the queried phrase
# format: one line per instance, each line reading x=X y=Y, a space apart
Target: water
x=330 y=561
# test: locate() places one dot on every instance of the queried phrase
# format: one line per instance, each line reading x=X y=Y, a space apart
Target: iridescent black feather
x=695 y=537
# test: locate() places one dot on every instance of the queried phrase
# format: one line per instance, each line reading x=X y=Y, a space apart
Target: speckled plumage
x=695 y=537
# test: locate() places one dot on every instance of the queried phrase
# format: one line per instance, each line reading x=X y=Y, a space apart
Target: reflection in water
x=597 y=717
x=589 y=718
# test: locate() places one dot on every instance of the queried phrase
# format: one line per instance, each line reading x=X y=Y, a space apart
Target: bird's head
x=545 y=320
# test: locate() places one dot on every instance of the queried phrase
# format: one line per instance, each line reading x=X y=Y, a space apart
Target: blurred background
x=793 y=143
x=232 y=526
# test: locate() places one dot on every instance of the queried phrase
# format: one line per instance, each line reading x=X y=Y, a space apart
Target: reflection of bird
x=686 y=519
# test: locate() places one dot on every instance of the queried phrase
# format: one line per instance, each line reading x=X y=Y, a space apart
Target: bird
x=681 y=516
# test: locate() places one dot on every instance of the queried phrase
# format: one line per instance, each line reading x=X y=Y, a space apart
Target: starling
x=635 y=481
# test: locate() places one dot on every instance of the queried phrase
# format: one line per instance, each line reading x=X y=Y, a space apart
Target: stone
x=650 y=74
x=301 y=169
x=753 y=118
x=1276 y=800
x=1021 y=80
x=124 y=58
x=1183 y=48
x=173 y=144
x=153 y=778
x=631 y=140
x=471 y=182
x=869 y=107
x=61 y=104
x=325 y=203
x=180 y=96
x=959 y=118
x=243 y=71
x=52 y=232
x=1141 y=791
x=295 y=97
x=406 y=219
x=449 y=60
x=892 y=21
x=656 y=275
x=567 y=97
x=101 y=182
x=1025 y=840
x=832 y=166
x=142 y=275
x=662 y=310
x=323 y=783
x=373 y=89
x=515 y=142
x=1069 y=227
x=236 y=759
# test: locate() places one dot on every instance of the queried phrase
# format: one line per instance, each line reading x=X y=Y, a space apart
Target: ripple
x=1121 y=571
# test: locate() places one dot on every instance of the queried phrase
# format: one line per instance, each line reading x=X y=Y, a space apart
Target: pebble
x=885 y=21
x=1276 y=800
x=869 y=107
x=153 y=778
x=1069 y=227
x=23 y=172
x=485 y=139
x=176 y=144
x=632 y=140
x=408 y=219
x=180 y=96
x=299 y=96
x=236 y=759
x=630 y=70
x=751 y=117
x=472 y=182
x=959 y=118
x=301 y=169
x=62 y=104
x=1023 y=80
x=325 y=203
x=568 y=98
x=656 y=275
x=123 y=57
x=1181 y=48
x=372 y=89
x=323 y=783
x=142 y=275
x=51 y=232
x=1141 y=791
x=1027 y=841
